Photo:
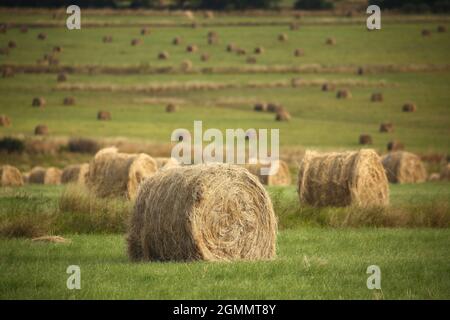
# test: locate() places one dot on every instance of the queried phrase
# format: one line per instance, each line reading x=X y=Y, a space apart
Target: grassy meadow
x=321 y=253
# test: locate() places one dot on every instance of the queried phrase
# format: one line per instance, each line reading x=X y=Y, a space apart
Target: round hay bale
x=194 y=25
x=259 y=50
x=4 y=51
x=50 y=176
x=386 y=127
x=4 y=121
x=231 y=47
x=145 y=31
x=241 y=52
x=342 y=179
x=82 y=145
x=212 y=41
x=365 y=139
x=260 y=106
x=214 y=212
x=38 y=102
x=10 y=176
x=42 y=36
x=3 y=28
x=282 y=37
x=282 y=115
x=136 y=42
x=409 y=107
x=104 y=115
x=426 y=33
x=23 y=29
x=7 y=72
x=445 y=173
x=330 y=41
x=113 y=174
x=192 y=48
x=251 y=60
x=25 y=177
x=204 y=57
x=434 y=177
x=186 y=65
x=360 y=71
x=328 y=87
x=61 y=77
x=189 y=14
x=404 y=167
x=41 y=129
x=107 y=39
x=281 y=177
x=344 y=94
x=164 y=55
x=166 y=163
x=395 y=145
x=376 y=97
x=274 y=107
x=299 y=52
x=176 y=41
x=441 y=29
x=69 y=101
x=171 y=108
x=294 y=26
x=208 y=15
x=12 y=44
x=57 y=49
x=212 y=34
x=76 y=173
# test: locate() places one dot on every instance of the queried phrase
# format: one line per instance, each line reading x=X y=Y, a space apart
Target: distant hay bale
x=114 y=174
x=241 y=52
x=38 y=102
x=404 y=167
x=215 y=212
x=299 y=52
x=365 y=139
x=4 y=51
x=76 y=173
x=50 y=176
x=107 y=39
x=166 y=163
x=176 y=41
x=434 y=177
x=445 y=173
x=83 y=145
x=330 y=41
x=386 y=127
x=441 y=29
x=42 y=36
x=328 y=87
x=282 y=177
x=4 y=121
x=294 y=26
x=395 y=145
x=260 y=106
x=282 y=115
x=23 y=29
x=343 y=179
x=192 y=48
x=145 y=31
x=171 y=108
x=57 y=49
x=69 y=101
x=409 y=107
x=208 y=15
x=61 y=77
x=10 y=177
x=204 y=57
x=274 y=107
x=7 y=72
x=41 y=129
x=189 y=14
x=25 y=177
x=360 y=71
x=231 y=47
x=136 y=42
x=194 y=25
x=12 y=44
x=344 y=94
x=104 y=115
x=251 y=60
x=186 y=65
x=3 y=28
x=259 y=50
x=376 y=97
x=282 y=37
x=212 y=41
x=164 y=55
x=426 y=33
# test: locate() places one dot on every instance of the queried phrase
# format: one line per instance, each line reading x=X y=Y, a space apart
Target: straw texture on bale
x=166 y=163
x=176 y=41
x=214 y=212
x=282 y=177
x=231 y=47
x=103 y=115
x=39 y=175
x=41 y=129
x=365 y=139
x=118 y=174
x=4 y=121
x=404 y=167
x=191 y=48
x=343 y=179
x=76 y=173
x=186 y=65
x=274 y=107
x=10 y=176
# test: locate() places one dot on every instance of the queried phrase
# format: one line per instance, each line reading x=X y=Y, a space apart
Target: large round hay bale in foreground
x=114 y=174
x=342 y=179
x=39 y=175
x=215 y=212
x=10 y=176
x=281 y=177
x=76 y=173
x=404 y=167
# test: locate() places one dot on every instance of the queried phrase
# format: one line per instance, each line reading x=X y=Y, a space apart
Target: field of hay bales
x=124 y=81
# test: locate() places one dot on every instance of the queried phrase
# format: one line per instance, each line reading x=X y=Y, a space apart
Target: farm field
x=322 y=253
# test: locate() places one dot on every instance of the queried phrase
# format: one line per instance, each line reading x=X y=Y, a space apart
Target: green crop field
x=321 y=253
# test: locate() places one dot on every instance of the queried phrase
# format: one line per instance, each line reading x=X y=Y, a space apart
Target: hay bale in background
x=69 y=101
x=395 y=145
x=231 y=47
x=76 y=173
x=166 y=163
x=294 y=26
x=360 y=71
x=426 y=33
x=12 y=44
x=107 y=39
x=144 y=31
x=204 y=57
x=260 y=106
x=330 y=41
x=208 y=15
x=328 y=87
x=251 y=60
x=10 y=176
x=365 y=139
x=192 y=48
x=343 y=94
x=280 y=178
x=42 y=36
x=57 y=49
x=283 y=115
x=376 y=97
x=136 y=42
x=176 y=41
x=7 y=72
x=83 y=145
x=38 y=102
x=259 y=50
x=118 y=174
x=4 y=121
x=299 y=52
x=61 y=77
x=441 y=29
x=343 y=179
x=274 y=107
x=404 y=167
x=186 y=65
x=104 y=115
x=386 y=127
x=164 y=55
x=282 y=37
x=241 y=52
x=409 y=107
x=41 y=129
x=171 y=108
x=445 y=172
x=50 y=176
x=204 y=212
x=23 y=29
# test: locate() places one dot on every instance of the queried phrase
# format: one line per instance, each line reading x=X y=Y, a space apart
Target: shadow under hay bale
x=171 y=108
x=386 y=127
x=299 y=52
x=166 y=163
x=344 y=94
x=283 y=115
x=260 y=107
x=104 y=116
x=409 y=107
x=42 y=36
x=328 y=87
x=404 y=167
x=280 y=177
x=10 y=176
x=114 y=174
x=365 y=139
x=48 y=176
x=343 y=179
x=83 y=145
x=330 y=41
x=4 y=121
x=61 y=77
x=164 y=55
x=376 y=97
x=11 y=145
x=41 y=129
x=38 y=102
x=282 y=37
x=395 y=145
x=69 y=101
x=76 y=173
x=173 y=219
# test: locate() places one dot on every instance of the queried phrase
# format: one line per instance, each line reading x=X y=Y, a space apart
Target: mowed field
x=321 y=253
